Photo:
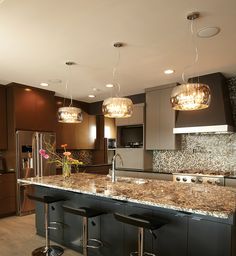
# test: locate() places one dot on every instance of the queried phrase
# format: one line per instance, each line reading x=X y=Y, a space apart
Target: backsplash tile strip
x=216 y=152
x=86 y=156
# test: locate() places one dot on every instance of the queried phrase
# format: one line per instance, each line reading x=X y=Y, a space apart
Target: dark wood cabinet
x=32 y=108
x=7 y=194
x=3 y=119
x=79 y=135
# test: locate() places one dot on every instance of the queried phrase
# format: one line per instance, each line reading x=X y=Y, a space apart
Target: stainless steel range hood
x=217 y=118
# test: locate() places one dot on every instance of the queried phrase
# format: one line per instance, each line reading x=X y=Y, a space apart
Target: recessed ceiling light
x=208 y=32
x=109 y=85
x=169 y=71
x=91 y=96
x=28 y=89
x=96 y=89
x=44 y=84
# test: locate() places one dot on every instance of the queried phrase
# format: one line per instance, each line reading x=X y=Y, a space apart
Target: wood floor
x=18 y=238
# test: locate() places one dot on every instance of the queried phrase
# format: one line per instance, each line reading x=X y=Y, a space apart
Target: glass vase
x=66 y=170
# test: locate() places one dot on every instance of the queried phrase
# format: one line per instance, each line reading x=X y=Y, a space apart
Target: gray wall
x=209 y=152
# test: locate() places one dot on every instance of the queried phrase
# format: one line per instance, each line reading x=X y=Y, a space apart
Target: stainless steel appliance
x=29 y=163
x=111 y=143
x=200 y=177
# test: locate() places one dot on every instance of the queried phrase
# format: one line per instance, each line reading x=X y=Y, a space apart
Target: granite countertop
x=193 y=198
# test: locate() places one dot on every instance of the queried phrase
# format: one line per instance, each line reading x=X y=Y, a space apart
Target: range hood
x=217 y=118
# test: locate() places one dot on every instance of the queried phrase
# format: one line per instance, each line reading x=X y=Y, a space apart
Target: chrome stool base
x=53 y=250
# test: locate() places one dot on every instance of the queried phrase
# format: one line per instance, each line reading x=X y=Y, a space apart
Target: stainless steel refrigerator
x=29 y=163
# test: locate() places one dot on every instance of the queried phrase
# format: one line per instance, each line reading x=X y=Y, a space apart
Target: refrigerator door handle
x=17 y=156
x=40 y=157
x=34 y=153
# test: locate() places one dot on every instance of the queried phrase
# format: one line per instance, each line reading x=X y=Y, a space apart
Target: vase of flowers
x=64 y=160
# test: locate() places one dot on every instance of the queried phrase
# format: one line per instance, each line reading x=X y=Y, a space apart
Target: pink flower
x=67 y=153
x=46 y=156
x=42 y=152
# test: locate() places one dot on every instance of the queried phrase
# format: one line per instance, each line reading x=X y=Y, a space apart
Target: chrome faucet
x=113 y=170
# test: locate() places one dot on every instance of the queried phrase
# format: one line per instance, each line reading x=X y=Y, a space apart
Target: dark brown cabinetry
x=7 y=194
x=31 y=108
x=3 y=119
x=76 y=136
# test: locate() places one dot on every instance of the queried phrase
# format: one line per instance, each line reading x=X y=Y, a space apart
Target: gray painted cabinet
x=136 y=118
x=160 y=119
x=185 y=234
x=209 y=238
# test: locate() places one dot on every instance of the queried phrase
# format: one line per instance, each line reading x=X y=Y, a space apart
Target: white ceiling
x=37 y=37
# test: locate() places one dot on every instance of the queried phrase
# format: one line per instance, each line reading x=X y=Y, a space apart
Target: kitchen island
x=201 y=218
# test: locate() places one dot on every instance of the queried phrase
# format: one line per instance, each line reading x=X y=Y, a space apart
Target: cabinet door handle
x=196 y=218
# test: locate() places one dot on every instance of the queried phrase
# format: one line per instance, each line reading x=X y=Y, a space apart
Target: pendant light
x=69 y=114
x=191 y=96
x=117 y=107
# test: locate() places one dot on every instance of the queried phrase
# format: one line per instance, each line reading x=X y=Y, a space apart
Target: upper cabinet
x=31 y=108
x=160 y=119
x=3 y=119
x=109 y=128
x=136 y=118
x=76 y=136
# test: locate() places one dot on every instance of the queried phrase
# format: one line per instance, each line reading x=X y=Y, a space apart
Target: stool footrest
x=97 y=243
x=58 y=225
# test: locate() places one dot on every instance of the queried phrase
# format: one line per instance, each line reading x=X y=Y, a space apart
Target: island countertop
x=208 y=200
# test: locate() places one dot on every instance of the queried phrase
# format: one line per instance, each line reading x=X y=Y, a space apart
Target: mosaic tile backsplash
x=201 y=152
x=86 y=156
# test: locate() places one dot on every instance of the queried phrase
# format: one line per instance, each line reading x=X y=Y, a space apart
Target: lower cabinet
x=183 y=235
x=207 y=238
x=171 y=238
x=112 y=232
x=7 y=194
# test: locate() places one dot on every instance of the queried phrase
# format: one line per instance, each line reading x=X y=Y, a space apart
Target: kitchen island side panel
x=185 y=233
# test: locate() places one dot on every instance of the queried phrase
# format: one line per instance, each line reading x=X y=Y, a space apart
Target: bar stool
x=86 y=213
x=142 y=222
x=48 y=250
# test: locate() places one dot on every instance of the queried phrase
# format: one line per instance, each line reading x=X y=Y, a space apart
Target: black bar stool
x=48 y=250
x=86 y=213
x=142 y=222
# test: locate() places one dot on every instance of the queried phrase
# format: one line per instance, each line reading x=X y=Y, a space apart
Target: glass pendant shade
x=190 y=96
x=70 y=115
x=116 y=107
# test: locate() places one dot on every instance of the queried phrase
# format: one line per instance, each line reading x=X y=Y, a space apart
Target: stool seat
x=83 y=211
x=86 y=213
x=141 y=221
x=46 y=199
x=47 y=250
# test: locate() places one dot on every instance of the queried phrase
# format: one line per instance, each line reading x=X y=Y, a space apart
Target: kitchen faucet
x=113 y=171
